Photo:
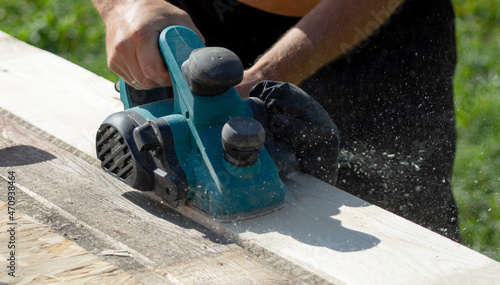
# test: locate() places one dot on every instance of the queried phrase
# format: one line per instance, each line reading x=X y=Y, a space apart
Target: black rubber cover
x=210 y=71
x=242 y=140
x=124 y=150
x=297 y=121
x=141 y=153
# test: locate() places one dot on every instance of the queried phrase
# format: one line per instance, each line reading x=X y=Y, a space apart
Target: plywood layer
x=41 y=256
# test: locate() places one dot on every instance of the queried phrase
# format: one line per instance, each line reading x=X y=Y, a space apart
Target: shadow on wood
x=163 y=211
x=306 y=208
x=297 y=220
x=23 y=155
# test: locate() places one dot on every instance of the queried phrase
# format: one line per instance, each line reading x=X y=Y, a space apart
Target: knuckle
x=139 y=35
x=121 y=47
x=150 y=71
x=113 y=66
x=156 y=72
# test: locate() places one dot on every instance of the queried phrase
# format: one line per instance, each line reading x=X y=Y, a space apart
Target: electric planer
x=206 y=146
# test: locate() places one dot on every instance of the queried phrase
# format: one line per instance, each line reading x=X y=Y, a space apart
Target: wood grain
x=155 y=236
x=44 y=257
x=56 y=97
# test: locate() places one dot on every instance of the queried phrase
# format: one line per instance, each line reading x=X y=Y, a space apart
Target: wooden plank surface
x=360 y=243
x=52 y=258
x=321 y=235
x=42 y=91
x=161 y=245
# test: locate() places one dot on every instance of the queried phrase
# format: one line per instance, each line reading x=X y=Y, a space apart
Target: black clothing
x=391 y=97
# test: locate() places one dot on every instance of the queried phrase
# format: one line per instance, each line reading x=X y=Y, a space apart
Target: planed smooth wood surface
x=333 y=233
x=54 y=95
x=321 y=235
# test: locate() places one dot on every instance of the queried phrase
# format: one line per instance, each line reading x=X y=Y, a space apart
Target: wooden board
x=52 y=258
x=321 y=235
x=104 y=215
x=61 y=99
x=337 y=235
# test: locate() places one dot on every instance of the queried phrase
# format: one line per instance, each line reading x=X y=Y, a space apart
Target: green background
x=74 y=30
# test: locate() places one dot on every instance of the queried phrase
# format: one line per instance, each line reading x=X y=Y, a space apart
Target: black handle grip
x=211 y=71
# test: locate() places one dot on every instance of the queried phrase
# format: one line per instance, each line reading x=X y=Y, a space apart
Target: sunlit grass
x=71 y=29
x=476 y=179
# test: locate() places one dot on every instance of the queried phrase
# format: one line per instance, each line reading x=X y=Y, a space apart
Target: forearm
x=328 y=31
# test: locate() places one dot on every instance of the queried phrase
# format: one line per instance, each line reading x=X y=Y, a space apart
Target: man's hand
x=132 y=32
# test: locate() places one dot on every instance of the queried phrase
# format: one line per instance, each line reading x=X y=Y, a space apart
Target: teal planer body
x=201 y=145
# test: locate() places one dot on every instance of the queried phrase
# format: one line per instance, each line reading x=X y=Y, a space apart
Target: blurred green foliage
x=71 y=29
x=74 y=30
x=476 y=177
